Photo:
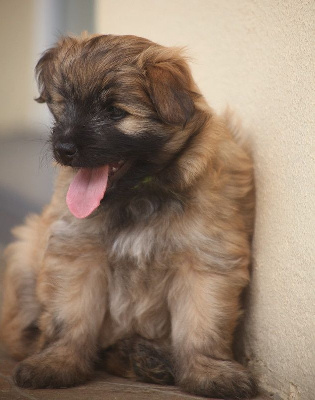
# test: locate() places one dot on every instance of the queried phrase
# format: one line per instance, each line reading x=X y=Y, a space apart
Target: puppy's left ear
x=42 y=71
x=169 y=88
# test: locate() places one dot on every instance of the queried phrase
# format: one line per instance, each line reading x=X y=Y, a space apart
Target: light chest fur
x=139 y=276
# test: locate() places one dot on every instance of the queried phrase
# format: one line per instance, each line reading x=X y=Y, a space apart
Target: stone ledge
x=102 y=387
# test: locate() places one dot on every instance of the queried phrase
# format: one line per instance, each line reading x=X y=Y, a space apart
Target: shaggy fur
x=148 y=286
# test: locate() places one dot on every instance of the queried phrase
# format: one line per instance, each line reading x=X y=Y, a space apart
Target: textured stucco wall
x=258 y=56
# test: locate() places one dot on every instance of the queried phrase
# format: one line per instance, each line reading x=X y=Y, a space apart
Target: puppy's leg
x=72 y=289
x=21 y=309
x=204 y=310
x=140 y=359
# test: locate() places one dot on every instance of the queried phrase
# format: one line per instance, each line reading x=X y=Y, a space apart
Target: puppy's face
x=118 y=101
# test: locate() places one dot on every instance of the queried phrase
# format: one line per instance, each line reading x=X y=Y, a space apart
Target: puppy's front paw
x=28 y=376
x=41 y=371
x=218 y=378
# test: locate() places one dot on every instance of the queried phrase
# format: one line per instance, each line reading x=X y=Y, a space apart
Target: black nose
x=65 y=151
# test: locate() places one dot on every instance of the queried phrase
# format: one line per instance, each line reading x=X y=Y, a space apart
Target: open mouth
x=89 y=185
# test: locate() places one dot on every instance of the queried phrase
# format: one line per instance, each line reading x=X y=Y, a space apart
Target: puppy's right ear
x=42 y=72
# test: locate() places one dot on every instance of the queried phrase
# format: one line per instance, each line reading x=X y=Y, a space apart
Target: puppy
x=139 y=261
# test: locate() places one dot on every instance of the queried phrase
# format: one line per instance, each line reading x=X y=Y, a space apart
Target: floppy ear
x=169 y=89
x=41 y=72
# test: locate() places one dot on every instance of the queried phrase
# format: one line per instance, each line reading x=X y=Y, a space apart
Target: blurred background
x=256 y=56
x=27 y=28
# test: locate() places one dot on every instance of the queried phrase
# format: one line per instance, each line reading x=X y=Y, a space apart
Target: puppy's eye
x=116 y=113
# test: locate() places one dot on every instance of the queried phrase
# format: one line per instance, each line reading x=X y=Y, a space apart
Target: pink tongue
x=87 y=190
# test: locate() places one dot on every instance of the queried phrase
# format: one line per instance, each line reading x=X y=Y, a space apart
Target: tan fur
x=175 y=279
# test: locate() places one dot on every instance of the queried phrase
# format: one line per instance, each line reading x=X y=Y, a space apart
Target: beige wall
x=258 y=56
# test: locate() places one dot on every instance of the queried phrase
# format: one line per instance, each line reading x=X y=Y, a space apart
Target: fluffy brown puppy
x=139 y=261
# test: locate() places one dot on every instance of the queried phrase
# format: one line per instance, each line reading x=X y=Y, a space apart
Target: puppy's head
x=122 y=107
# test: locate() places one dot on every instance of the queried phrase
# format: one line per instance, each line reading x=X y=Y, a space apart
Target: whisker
x=45 y=158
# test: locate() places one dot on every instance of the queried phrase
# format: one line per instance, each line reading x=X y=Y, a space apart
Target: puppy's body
x=154 y=274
